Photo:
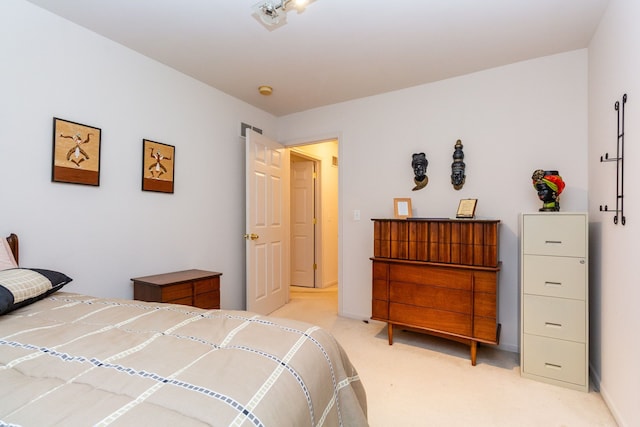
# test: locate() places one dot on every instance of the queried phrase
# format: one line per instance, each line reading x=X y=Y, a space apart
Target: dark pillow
x=23 y=286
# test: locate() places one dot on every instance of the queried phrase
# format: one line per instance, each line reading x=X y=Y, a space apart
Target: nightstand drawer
x=176 y=292
x=207 y=285
x=183 y=301
x=554 y=317
x=554 y=276
x=558 y=235
x=207 y=300
x=554 y=359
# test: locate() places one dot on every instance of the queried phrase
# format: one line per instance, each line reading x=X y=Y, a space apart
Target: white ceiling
x=336 y=50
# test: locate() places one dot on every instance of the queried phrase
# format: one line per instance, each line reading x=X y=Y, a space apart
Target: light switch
x=356 y=215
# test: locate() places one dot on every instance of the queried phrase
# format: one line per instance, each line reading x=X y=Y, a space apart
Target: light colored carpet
x=427 y=381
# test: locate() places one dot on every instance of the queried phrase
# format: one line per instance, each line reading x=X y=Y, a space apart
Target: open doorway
x=304 y=193
x=314 y=215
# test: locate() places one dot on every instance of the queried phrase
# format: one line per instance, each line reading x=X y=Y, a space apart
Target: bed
x=71 y=359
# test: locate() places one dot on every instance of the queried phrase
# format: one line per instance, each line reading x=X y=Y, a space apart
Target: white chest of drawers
x=554 y=339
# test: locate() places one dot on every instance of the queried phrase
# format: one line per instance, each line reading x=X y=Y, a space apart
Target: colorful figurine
x=549 y=185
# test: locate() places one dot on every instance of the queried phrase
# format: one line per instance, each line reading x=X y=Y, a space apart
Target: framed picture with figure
x=76 y=153
x=158 y=166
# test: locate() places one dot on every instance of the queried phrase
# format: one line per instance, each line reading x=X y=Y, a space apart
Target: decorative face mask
x=419 y=163
x=457 y=167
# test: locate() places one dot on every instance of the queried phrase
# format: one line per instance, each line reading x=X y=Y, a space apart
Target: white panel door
x=302 y=223
x=266 y=224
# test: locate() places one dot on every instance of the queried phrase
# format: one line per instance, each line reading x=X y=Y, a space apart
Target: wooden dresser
x=438 y=276
x=554 y=313
x=198 y=288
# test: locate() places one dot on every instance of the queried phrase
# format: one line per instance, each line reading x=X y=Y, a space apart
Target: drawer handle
x=552 y=365
x=553 y=283
x=554 y=242
x=553 y=325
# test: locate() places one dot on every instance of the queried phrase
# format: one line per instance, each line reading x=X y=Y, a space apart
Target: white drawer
x=554 y=317
x=554 y=276
x=555 y=359
x=562 y=235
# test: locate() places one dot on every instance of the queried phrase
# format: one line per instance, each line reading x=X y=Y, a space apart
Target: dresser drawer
x=554 y=317
x=380 y=281
x=207 y=300
x=558 y=235
x=206 y=285
x=455 y=300
x=554 y=276
x=380 y=310
x=182 y=292
x=430 y=318
x=429 y=275
x=485 y=328
x=554 y=359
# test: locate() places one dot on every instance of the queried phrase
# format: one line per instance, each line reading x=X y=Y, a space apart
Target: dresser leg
x=390 y=333
x=474 y=352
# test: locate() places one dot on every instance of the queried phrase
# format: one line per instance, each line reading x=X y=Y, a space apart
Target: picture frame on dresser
x=402 y=208
x=467 y=208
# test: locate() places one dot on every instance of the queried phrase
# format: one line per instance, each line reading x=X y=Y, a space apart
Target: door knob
x=251 y=236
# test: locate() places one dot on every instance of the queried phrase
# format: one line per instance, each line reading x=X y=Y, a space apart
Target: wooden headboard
x=13 y=244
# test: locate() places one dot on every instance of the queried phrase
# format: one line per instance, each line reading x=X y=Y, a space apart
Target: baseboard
x=329 y=284
x=354 y=316
x=509 y=347
x=612 y=407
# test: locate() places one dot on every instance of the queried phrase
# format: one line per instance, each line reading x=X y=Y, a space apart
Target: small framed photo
x=76 y=153
x=158 y=166
x=467 y=208
x=402 y=208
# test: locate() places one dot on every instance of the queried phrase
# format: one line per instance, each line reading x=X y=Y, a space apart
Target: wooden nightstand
x=198 y=288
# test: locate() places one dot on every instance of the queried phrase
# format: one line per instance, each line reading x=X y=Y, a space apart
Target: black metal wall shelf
x=619 y=159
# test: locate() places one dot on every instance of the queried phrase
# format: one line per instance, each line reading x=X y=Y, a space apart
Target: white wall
x=102 y=236
x=511 y=120
x=614 y=61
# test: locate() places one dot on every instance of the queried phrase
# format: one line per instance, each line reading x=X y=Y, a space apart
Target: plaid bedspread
x=76 y=360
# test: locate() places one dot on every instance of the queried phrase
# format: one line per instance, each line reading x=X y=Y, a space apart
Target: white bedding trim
x=147 y=393
x=154 y=388
x=237 y=329
x=342 y=384
x=262 y=391
x=39 y=353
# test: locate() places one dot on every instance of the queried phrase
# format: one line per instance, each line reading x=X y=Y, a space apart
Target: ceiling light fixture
x=273 y=13
x=265 y=90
